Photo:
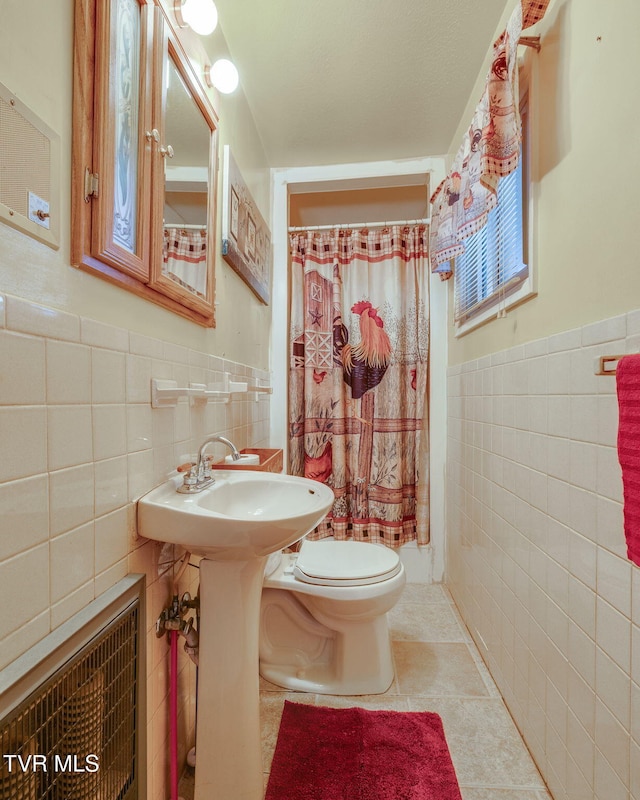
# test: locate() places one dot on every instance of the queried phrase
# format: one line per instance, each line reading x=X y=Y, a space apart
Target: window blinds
x=492 y=265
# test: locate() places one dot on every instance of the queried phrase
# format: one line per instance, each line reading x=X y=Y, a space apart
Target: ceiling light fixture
x=222 y=75
x=200 y=15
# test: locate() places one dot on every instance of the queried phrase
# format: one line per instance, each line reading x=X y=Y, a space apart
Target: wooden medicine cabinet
x=144 y=159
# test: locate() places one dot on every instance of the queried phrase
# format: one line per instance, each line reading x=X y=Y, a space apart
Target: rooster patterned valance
x=490 y=150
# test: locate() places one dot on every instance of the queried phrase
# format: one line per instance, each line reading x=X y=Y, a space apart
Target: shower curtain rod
x=351 y=225
x=185 y=227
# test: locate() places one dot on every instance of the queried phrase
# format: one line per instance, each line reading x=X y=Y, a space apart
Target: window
x=494 y=272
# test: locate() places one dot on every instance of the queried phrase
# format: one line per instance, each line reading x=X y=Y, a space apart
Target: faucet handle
x=190 y=464
x=190 y=479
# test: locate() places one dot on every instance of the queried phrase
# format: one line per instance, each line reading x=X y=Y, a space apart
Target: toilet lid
x=329 y=562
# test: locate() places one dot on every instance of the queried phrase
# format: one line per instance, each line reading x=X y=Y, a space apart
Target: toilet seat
x=345 y=563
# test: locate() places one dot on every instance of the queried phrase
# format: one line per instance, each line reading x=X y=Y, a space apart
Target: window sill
x=524 y=292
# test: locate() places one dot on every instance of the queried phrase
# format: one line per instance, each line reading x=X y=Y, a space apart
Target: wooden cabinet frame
x=94 y=248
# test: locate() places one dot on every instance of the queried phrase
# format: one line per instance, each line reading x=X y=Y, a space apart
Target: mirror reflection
x=186 y=169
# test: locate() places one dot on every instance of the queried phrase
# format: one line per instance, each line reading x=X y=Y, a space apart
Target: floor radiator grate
x=75 y=737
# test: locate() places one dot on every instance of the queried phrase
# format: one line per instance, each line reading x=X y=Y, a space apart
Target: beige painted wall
x=36 y=47
x=586 y=121
x=344 y=207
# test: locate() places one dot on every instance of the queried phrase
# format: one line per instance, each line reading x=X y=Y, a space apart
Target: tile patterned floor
x=438 y=668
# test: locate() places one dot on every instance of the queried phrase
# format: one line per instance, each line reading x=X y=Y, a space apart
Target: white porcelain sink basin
x=244 y=514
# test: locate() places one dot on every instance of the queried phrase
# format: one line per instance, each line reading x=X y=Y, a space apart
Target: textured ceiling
x=340 y=81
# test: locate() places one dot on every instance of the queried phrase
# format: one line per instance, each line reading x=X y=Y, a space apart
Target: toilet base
x=314 y=653
x=321 y=679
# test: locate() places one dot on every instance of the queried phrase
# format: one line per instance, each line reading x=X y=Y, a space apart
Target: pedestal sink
x=234 y=524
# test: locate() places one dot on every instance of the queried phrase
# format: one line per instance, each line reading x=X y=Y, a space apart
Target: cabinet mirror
x=144 y=158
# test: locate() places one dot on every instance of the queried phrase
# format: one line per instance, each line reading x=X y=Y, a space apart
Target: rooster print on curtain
x=359 y=344
x=365 y=364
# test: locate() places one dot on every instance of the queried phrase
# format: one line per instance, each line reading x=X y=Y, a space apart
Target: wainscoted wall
x=79 y=443
x=536 y=551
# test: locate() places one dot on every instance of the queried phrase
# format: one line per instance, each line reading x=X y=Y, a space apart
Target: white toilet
x=323 y=623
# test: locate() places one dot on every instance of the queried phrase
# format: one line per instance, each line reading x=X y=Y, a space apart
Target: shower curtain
x=184 y=257
x=359 y=339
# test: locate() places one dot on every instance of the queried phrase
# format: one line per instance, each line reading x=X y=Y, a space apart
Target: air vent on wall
x=29 y=171
x=72 y=708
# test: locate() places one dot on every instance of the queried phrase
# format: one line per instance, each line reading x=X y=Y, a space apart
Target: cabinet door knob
x=153 y=135
x=166 y=152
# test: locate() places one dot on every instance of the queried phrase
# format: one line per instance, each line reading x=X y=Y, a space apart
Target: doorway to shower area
x=321 y=215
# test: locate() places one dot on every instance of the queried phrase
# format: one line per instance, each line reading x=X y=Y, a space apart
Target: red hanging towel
x=628 y=386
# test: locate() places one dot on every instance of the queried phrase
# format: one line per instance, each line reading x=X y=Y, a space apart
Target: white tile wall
x=68 y=373
x=79 y=443
x=536 y=552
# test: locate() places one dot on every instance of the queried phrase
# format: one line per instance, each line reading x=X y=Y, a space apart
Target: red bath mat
x=354 y=754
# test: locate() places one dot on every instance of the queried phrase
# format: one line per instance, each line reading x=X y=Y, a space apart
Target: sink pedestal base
x=228 y=740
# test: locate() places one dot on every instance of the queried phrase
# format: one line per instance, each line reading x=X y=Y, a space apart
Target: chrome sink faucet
x=199 y=476
x=235 y=455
